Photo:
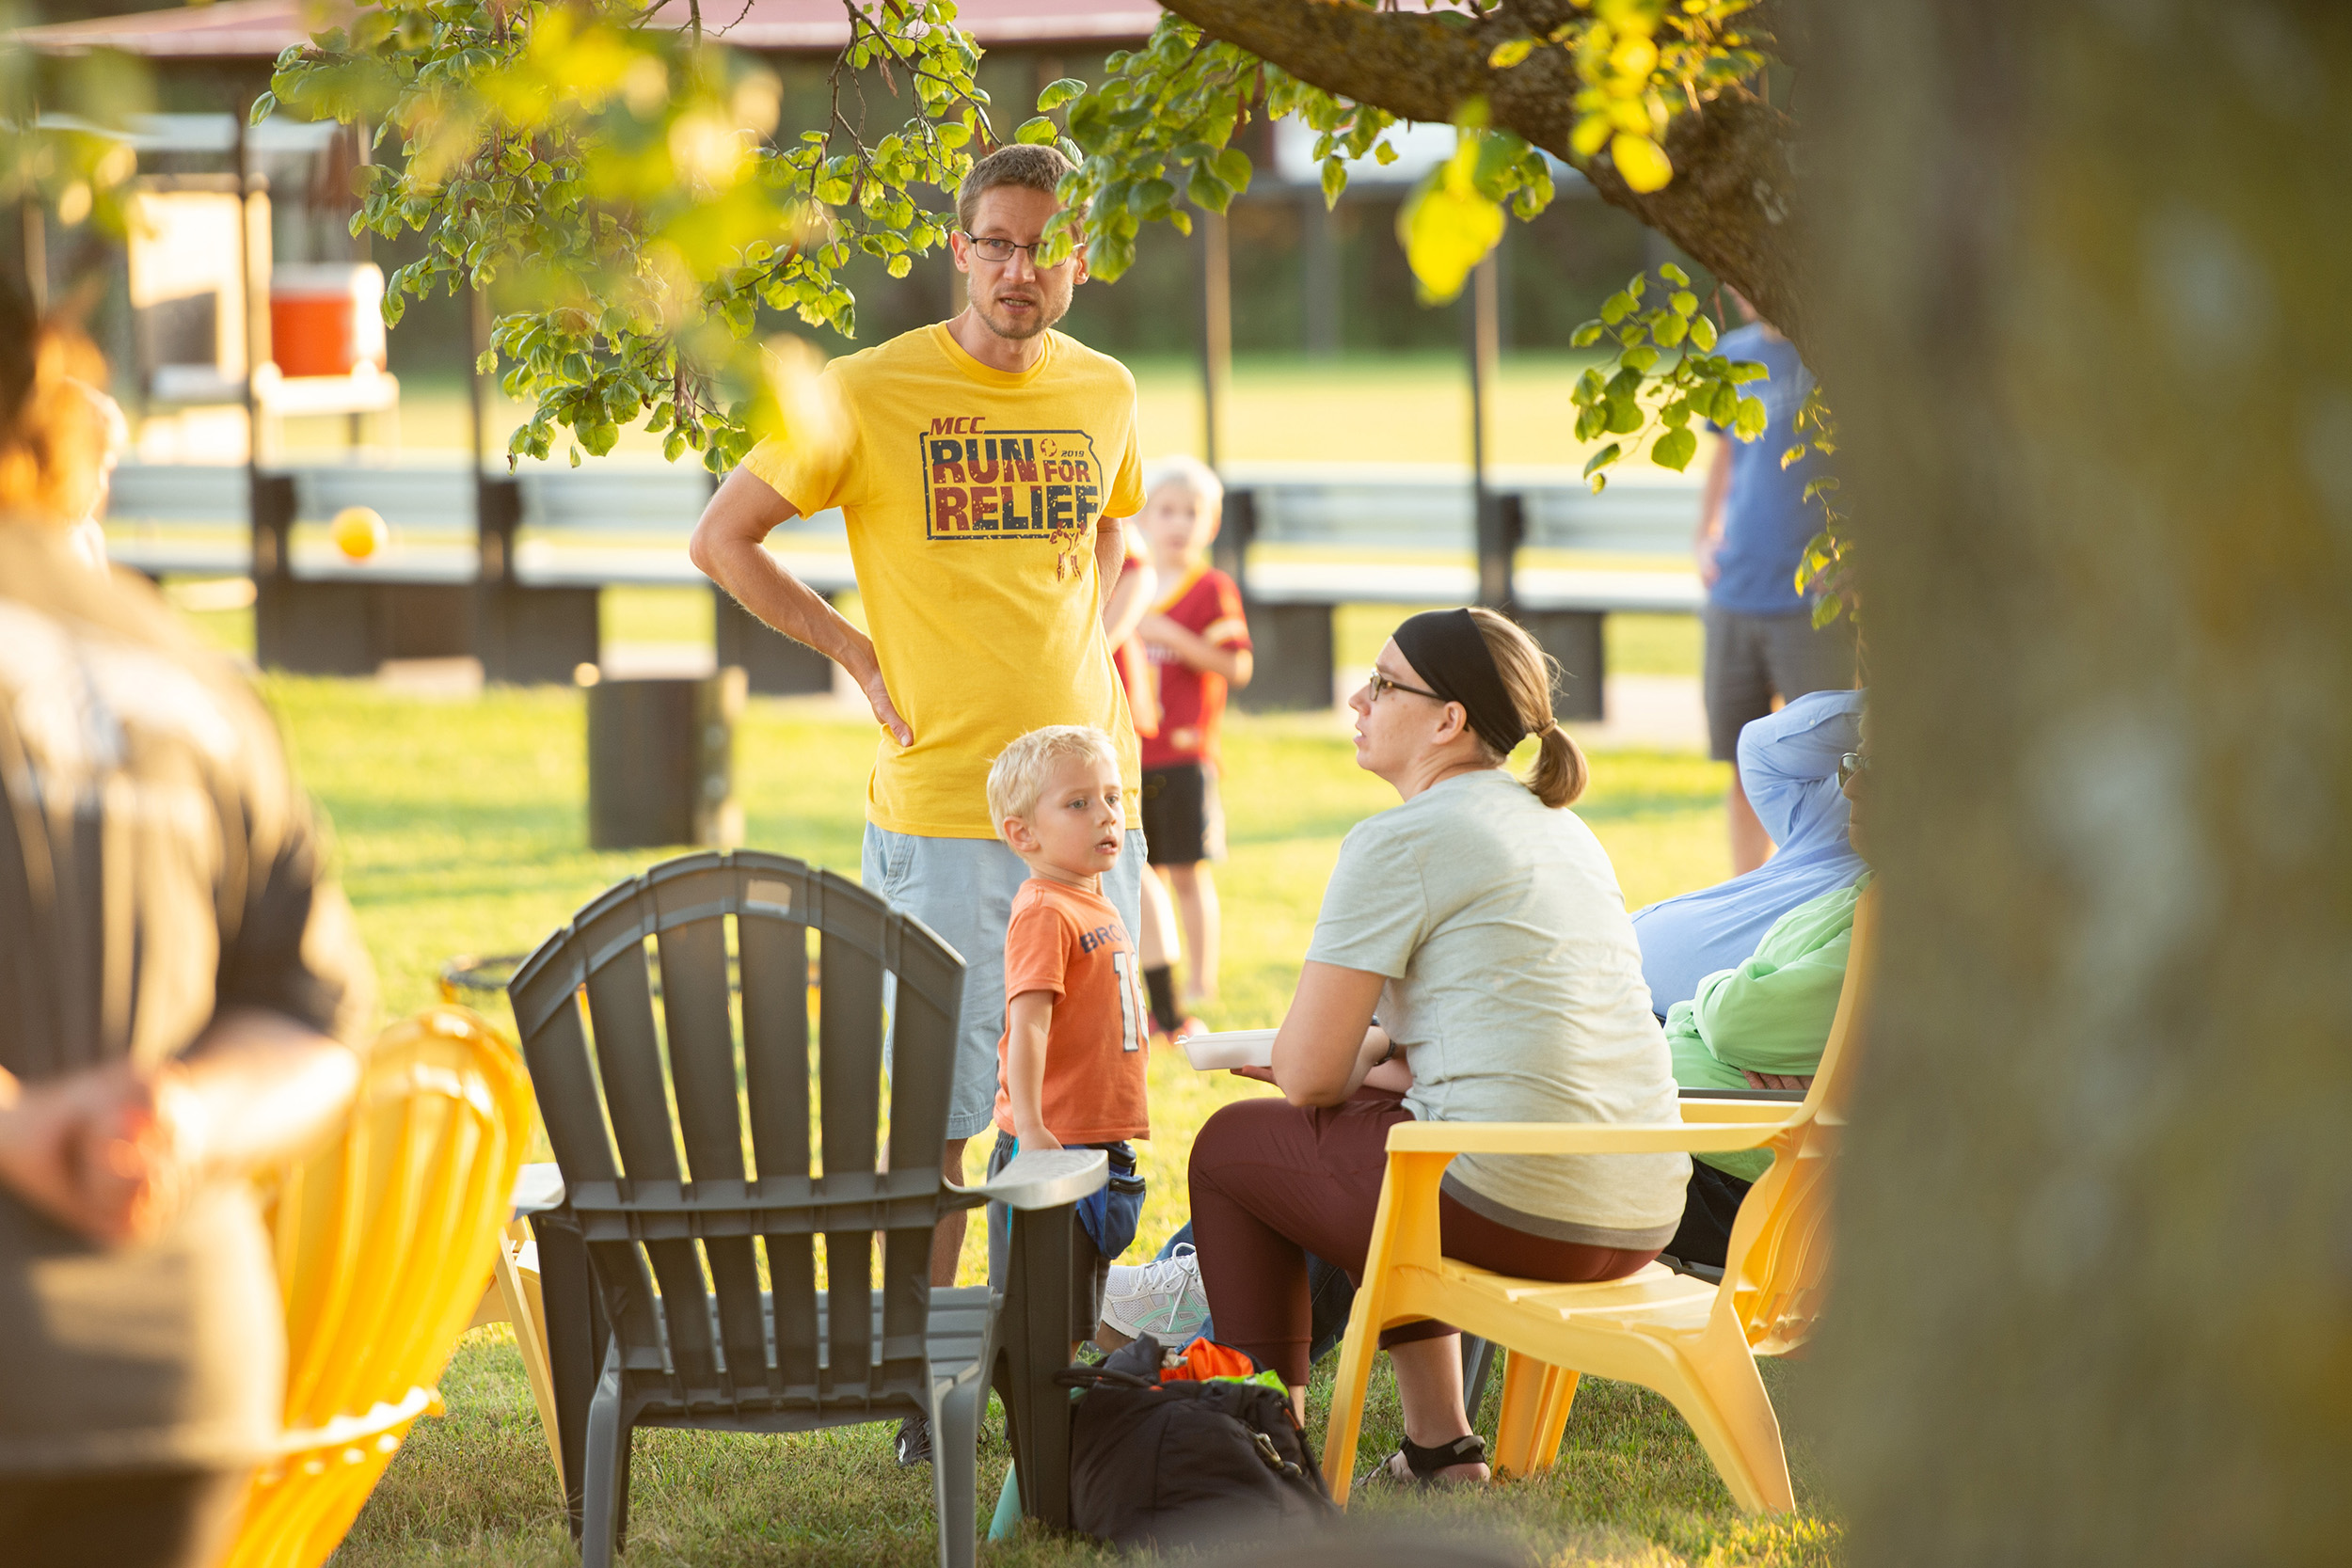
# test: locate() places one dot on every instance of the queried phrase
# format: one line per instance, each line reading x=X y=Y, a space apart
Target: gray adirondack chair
x=675 y=1244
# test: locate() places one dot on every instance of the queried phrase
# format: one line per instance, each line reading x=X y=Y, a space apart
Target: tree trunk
x=2083 y=265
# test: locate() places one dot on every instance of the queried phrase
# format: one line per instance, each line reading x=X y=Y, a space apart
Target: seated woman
x=1762 y=1024
x=1485 y=925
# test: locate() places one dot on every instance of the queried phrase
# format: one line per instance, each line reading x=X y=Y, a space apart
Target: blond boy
x=1070 y=1064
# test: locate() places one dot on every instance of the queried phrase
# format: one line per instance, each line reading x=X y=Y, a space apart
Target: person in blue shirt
x=1788 y=768
x=1753 y=525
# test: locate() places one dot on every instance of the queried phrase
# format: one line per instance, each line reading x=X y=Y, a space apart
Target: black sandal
x=1424 y=1463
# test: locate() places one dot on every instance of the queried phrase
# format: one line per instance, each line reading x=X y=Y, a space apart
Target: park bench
x=521 y=590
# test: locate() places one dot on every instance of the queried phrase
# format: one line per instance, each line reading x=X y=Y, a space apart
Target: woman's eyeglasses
x=1000 y=251
x=1380 y=683
x=1849 y=765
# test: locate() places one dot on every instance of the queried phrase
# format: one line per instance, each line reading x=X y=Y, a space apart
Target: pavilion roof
x=261 y=29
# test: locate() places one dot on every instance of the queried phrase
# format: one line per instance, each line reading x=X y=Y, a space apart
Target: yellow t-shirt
x=973 y=497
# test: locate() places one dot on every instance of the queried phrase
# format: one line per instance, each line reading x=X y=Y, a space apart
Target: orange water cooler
x=327 y=319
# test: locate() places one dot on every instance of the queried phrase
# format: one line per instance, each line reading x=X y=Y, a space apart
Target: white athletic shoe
x=1162 y=1298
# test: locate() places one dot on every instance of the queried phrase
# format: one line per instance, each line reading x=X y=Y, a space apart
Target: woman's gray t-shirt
x=1515 y=984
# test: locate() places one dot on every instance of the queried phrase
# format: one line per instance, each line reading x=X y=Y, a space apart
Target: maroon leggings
x=1272 y=1182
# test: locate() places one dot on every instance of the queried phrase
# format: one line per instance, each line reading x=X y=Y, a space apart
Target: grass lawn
x=460 y=825
x=1369 y=408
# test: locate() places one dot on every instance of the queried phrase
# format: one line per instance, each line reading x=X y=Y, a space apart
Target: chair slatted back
x=384 y=1240
x=676 y=1224
x=1779 y=1254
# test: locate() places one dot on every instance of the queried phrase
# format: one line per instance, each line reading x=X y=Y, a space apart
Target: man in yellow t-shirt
x=984 y=467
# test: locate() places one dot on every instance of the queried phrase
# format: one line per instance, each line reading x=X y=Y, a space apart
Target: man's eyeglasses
x=1851 y=764
x=1380 y=683
x=1000 y=251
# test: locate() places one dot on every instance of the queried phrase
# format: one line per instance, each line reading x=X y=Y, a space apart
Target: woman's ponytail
x=1560 y=768
x=1528 y=674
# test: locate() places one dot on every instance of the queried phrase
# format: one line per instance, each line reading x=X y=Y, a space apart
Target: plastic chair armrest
x=538 y=1189
x=1550 y=1137
x=1046 y=1178
x=1698 y=1106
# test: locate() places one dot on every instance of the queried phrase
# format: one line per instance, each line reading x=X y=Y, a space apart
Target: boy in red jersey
x=1200 y=646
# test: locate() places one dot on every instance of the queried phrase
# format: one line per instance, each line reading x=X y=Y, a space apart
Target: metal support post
x=1216 y=332
x=1494 y=550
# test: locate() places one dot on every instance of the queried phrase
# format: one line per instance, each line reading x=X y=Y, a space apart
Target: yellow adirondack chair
x=384 y=1242
x=1692 y=1341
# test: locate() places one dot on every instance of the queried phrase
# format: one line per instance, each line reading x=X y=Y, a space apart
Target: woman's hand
x=1319 y=1053
x=1777 y=1080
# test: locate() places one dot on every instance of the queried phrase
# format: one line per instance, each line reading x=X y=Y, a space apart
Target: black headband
x=1446 y=649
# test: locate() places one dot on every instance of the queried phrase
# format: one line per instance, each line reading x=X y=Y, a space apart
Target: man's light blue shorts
x=962 y=889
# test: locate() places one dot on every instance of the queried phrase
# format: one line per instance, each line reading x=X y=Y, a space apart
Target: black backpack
x=1158 y=1463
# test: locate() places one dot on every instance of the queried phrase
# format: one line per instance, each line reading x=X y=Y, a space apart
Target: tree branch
x=1732 y=205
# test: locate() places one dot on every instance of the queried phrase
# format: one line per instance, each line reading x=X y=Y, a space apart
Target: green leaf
x=1033 y=132
x=1616 y=308
x=1602 y=458
x=1674 y=449
x=1206 y=191
x=1625 y=416
x=1751 y=418
x=1448 y=228
x=1060 y=92
x=1673 y=274
x=1232 y=167
x=1642 y=358
x=1684 y=302
x=1510 y=53
x=1673 y=330
x=1703 y=333
x=1585 y=336
x=1334 y=180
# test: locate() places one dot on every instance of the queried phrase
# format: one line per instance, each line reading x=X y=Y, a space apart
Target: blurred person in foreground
x=178 y=980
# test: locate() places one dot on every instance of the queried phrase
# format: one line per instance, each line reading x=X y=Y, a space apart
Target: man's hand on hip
x=885 y=711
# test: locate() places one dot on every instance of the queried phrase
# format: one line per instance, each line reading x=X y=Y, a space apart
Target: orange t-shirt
x=1072 y=942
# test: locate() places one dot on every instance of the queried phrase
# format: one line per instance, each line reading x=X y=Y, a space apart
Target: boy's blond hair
x=1017 y=777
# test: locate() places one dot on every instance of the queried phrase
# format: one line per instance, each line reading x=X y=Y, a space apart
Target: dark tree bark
x=1732 y=205
x=2081 y=294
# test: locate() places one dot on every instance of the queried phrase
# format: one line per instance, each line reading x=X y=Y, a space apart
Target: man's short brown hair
x=1030 y=164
